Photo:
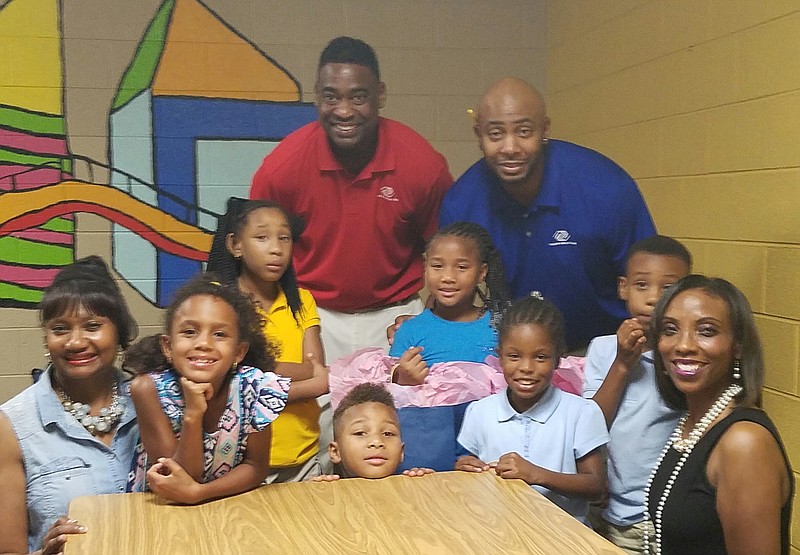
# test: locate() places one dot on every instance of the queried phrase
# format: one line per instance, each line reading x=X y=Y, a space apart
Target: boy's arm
x=630 y=344
x=589 y=482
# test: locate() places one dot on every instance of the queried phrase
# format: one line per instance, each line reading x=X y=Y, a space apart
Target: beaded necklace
x=685 y=447
x=107 y=417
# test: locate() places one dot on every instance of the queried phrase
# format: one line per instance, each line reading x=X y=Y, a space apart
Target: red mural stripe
x=13 y=180
x=37 y=218
x=30 y=277
x=32 y=144
x=45 y=236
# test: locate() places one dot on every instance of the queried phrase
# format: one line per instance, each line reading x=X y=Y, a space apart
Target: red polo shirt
x=364 y=237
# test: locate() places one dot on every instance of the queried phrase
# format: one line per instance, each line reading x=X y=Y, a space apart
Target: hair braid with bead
x=497 y=297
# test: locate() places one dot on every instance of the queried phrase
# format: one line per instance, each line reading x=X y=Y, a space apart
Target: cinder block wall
x=700 y=101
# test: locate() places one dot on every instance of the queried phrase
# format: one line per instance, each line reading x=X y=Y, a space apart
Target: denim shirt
x=62 y=459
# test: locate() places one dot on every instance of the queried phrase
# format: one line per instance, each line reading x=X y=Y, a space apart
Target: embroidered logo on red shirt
x=387 y=193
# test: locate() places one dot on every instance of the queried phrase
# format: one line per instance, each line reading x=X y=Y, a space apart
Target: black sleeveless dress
x=690 y=524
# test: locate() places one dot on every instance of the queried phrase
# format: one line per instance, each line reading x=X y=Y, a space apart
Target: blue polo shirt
x=570 y=243
x=553 y=434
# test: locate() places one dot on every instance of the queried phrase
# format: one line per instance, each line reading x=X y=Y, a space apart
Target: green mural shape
x=139 y=74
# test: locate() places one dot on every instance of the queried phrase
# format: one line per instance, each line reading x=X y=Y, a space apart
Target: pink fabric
x=449 y=383
x=569 y=375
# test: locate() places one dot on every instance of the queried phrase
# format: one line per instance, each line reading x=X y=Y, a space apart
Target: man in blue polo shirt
x=563 y=216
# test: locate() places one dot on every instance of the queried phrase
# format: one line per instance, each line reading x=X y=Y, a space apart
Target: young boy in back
x=620 y=378
x=366 y=436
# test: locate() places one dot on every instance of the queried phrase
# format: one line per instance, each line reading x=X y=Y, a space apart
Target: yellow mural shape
x=160 y=228
x=29 y=36
x=203 y=57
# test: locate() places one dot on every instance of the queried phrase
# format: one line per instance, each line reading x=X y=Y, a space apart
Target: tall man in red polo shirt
x=369 y=189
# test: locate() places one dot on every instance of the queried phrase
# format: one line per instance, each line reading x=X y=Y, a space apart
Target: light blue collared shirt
x=639 y=431
x=62 y=459
x=554 y=433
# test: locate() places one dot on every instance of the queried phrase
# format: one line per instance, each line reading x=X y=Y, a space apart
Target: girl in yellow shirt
x=253 y=248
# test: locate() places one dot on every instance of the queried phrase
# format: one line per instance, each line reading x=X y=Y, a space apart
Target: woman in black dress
x=723 y=484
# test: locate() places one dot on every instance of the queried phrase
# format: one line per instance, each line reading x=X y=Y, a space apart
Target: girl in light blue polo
x=540 y=434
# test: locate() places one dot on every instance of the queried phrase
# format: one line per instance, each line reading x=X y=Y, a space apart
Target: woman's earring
x=47 y=353
x=737 y=375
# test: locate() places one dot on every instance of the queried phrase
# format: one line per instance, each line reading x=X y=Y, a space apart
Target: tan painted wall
x=700 y=101
x=436 y=58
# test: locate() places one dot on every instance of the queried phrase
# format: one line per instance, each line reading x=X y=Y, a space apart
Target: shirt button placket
x=527 y=452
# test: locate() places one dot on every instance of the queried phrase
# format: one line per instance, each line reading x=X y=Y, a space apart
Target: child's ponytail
x=497 y=297
x=145 y=356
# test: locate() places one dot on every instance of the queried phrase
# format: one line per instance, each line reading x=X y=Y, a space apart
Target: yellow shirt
x=295 y=433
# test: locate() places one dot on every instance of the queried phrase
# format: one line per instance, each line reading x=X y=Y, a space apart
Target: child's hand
x=631 y=340
x=169 y=480
x=391 y=331
x=411 y=369
x=196 y=396
x=470 y=463
x=418 y=471
x=325 y=478
x=513 y=465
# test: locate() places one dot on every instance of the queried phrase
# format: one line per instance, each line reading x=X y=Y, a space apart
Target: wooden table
x=448 y=512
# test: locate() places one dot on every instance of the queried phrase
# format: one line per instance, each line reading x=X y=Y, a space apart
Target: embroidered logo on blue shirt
x=562 y=237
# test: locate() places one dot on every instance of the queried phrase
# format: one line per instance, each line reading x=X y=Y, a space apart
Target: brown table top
x=447 y=512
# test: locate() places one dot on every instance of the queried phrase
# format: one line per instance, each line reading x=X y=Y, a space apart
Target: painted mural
x=195 y=111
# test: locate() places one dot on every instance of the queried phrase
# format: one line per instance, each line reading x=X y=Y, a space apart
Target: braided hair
x=229 y=268
x=497 y=296
x=535 y=310
x=147 y=356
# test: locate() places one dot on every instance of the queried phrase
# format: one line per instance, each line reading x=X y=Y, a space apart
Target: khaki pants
x=628 y=538
x=299 y=473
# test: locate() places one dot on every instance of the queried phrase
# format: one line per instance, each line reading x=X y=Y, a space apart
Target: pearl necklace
x=107 y=418
x=685 y=447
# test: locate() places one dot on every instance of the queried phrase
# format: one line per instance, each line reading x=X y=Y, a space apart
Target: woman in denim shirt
x=73 y=432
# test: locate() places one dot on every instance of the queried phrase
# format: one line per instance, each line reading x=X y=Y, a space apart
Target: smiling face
x=452 y=272
x=264 y=245
x=648 y=275
x=203 y=341
x=511 y=126
x=528 y=358
x=81 y=344
x=349 y=97
x=697 y=343
x=368 y=443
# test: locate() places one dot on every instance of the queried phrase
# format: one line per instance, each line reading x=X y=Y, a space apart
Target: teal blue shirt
x=446 y=341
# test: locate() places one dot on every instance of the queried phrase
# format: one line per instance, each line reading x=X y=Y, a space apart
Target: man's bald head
x=512 y=126
x=512 y=93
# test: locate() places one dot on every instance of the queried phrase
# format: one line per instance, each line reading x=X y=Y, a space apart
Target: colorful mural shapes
x=196 y=111
x=33 y=147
